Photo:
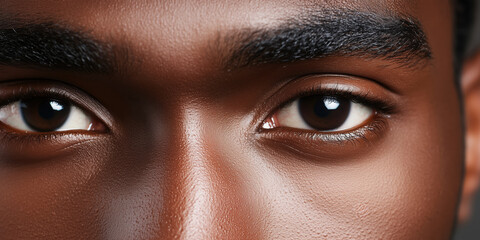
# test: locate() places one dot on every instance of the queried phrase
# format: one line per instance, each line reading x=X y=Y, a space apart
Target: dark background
x=471 y=229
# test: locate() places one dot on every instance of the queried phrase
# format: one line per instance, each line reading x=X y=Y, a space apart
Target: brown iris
x=324 y=113
x=44 y=114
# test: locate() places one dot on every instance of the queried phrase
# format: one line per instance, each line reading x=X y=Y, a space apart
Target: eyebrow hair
x=315 y=34
x=325 y=33
x=50 y=45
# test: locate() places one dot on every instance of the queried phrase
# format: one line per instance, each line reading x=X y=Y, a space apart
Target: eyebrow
x=49 y=45
x=315 y=34
x=326 y=33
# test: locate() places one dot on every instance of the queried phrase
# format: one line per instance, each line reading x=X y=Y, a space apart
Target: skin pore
x=190 y=128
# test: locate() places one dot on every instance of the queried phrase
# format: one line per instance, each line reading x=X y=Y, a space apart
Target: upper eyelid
x=13 y=91
x=364 y=99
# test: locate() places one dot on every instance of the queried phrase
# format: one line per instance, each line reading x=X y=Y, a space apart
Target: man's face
x=228 y=119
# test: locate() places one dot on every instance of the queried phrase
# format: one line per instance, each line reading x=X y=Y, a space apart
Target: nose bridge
x=201 y=197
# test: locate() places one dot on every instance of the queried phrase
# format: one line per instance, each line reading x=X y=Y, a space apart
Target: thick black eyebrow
x=313 y=35
x=50 y=45
x=331 y=33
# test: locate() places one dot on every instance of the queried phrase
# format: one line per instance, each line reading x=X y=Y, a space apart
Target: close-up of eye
x=322 y=113
x=46 y=114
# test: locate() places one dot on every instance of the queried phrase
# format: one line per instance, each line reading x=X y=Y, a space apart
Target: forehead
x=253 y=11
x=194 y=22
x=203 y=15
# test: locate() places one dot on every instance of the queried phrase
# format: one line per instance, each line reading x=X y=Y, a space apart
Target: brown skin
x=184 y=157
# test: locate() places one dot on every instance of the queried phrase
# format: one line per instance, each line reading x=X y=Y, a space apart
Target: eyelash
x=29 y=89
x=33 y=93
x=382 y=111
x=377 y=104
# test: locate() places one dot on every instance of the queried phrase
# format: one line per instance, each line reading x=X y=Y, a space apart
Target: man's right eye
x=47 y=115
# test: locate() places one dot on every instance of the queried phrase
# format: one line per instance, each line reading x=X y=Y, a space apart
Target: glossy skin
x=185 y=158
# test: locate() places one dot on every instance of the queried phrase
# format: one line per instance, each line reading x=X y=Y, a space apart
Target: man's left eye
x=321 y=113
x=45 y=114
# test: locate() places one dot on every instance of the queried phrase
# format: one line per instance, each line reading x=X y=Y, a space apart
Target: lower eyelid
x=21 y=148
x=376 y=125
x=312 y=145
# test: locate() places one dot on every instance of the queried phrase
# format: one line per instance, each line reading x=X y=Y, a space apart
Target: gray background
x=471 y=229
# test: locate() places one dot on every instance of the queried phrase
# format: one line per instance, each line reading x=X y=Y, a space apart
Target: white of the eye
x=359 y=113
x=77 y=119
x=290 y=116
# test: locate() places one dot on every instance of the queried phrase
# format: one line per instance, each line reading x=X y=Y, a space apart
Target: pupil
x=324 y=112
x=47 y=110
x=44 y=114
x=323 y=109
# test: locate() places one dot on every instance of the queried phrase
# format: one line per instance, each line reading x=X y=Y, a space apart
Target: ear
x=470 y=83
